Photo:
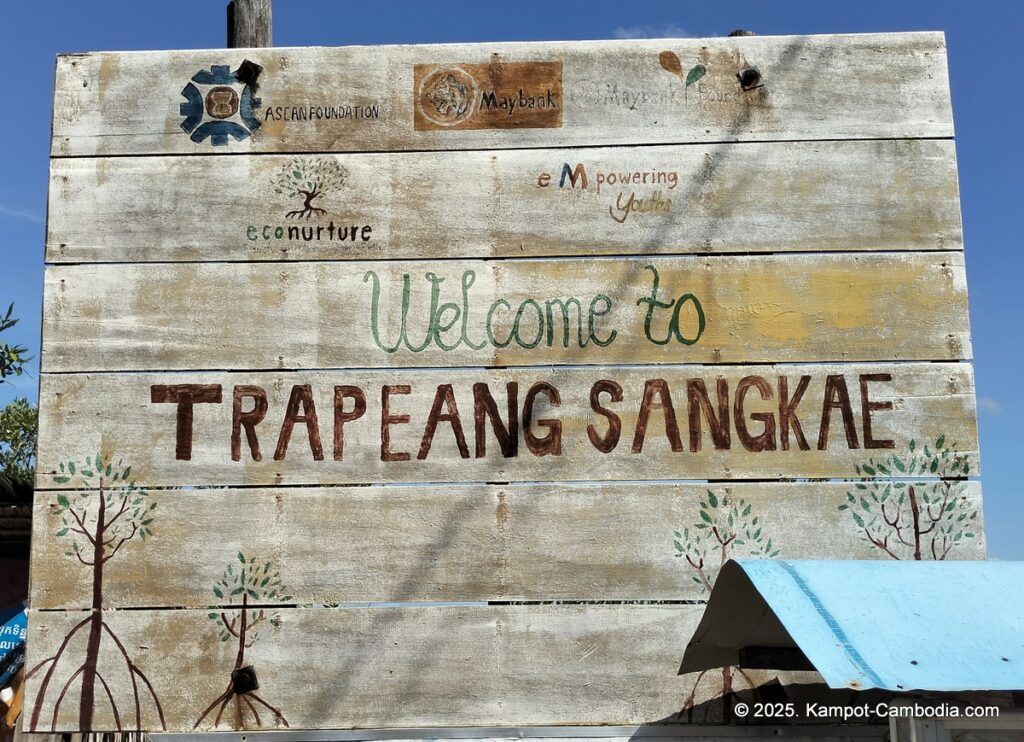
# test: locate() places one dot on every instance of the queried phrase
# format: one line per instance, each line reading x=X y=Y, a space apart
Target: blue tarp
x=12 y=642
x=896 y=625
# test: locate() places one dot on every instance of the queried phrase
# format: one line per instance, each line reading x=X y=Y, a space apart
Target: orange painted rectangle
x=500 y=95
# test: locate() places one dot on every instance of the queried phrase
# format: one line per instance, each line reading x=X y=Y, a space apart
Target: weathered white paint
x=211 y=308
x=454 y=543
x=797 y=196
x=846 y=307
x=613 y=92
x=112 y=413
x=409 y=667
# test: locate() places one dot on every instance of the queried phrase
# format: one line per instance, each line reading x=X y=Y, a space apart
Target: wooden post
x=249 y=24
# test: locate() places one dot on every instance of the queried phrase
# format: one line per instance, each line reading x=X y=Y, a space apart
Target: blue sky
x=986 y=74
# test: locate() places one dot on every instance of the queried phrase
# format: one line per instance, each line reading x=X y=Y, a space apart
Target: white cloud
x=669 y=30
x=21 y=214
x=987 y=404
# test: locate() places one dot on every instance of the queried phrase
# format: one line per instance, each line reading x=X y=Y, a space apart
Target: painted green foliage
x=246 y=582
x=252 y=581
x=670 y=63
x=106 y=511
x=726 y=527
x=126 y=508
x=309 y=178
x=915 y=520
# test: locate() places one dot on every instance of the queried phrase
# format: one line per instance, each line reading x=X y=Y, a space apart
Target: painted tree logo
x=727 y=527
x=97 y=522
x=670 y=63
x=915 y=520
x=251 y=582
x=309 y=178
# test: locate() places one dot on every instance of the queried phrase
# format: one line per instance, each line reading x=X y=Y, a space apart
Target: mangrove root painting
x=254 y=583
x=309 y=178
x=97 y=522
x=915 y=520
x=727 y=527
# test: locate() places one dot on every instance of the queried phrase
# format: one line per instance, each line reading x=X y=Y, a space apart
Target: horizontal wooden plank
x=822 y=307
x=438 y=428
x=483 y=96
x=804 y=196
x=383 y=667
x=398 y=544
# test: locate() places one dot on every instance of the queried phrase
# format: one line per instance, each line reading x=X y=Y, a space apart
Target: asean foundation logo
x=221 y=103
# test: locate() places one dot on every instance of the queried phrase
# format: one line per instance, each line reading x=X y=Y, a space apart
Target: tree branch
x=135 y=528
x=883 y=544
x=87 y=564
x=942 y=510
x=229 y=626
x=699 y=568
x=120 y=512
x=894 y=524
x=81 y=524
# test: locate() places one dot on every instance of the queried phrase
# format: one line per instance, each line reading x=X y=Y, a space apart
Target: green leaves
x=670 y=62
x=724 y=527
x=896 y=516
x=12 y=357
x=696 y=73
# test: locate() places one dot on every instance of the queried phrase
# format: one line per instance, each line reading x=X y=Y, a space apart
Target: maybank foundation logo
x=497 y=95
x=221 y=104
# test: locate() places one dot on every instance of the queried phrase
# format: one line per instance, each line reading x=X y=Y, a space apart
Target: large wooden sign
x=523 y=340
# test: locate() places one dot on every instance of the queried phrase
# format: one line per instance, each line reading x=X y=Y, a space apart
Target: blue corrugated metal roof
x=940 y=626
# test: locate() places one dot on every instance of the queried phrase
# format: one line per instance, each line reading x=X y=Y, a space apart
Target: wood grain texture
x=249 y=24
x=803 y=196
x=81 y=414
x=906 y=306
x=614 y=92
x=455 y=543
x=396 y=667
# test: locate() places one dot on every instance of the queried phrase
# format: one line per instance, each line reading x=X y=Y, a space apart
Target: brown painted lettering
x=184 y=395
x=248 y=420
x=552 y=442
x=341 y=393
x=484 y=406
x=867 y=407
x=766 y=440
x=837 y=397
x=387 y=420
x=444 y=395
x=718 y=424
x=302 y=394
x=664 y=403
x=610 y=440
x=787 y=413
